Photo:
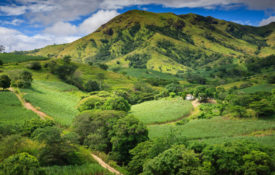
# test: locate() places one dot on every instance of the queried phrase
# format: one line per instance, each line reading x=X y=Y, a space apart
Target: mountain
x=167 y=42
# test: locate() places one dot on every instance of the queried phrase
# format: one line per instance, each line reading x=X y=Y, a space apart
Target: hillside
x=167 y=42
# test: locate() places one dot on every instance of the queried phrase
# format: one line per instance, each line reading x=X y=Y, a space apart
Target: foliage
x=23 y=79
x=31 y=125
x=176 y=160
x=138 y=60
x=127 y=133
x=94 y=127
x=34 y=65
x=56 y=150
x=21 y=164
x=89 y=103
x=149 y=149
x=117 y=103
x=5 y=81
x=91 y=86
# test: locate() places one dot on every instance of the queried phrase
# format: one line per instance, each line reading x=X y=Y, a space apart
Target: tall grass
x=11 y=110
x=86 y=169
x=163 y=110
x=212 y=128
x=16 y=58
x=56 y=99
x=259 y=88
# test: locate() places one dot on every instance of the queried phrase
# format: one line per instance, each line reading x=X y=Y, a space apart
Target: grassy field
x=57 y=99
x=258 y=88
x=76 y=170
x=145 y=73
x=14 y=58
x=163 y=110
x=213 y=128
x=12 y=111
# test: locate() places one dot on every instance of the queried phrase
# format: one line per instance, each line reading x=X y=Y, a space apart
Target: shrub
x=22 y=80
x=21 y=164
x=92 y=102
x=103 y=66
x=5 y=81
x=91 y=86
x=34 y=65
x=117 y=103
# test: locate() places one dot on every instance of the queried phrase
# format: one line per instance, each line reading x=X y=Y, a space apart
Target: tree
x=127 y=133
x=23 y=80
x=2 y=48
x=5 y=81
x=103 y=66
x=57 y=150
x=35 y=65
x=21 y=164
x=117 y=103
x=91 y=86
x=263 y=107
x=174 y=161
x=1 y=63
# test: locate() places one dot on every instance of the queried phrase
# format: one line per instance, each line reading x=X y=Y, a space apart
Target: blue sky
x=30 y=24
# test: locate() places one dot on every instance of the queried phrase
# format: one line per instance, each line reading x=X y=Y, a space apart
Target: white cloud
x=267 y=21
x=61 y=29
x=15 y=40
x=14 y=22
x=49 y=12
x=13 y=10
x=96 y=20
x=59 y=33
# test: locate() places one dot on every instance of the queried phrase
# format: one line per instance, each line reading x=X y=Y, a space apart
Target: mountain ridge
x=171 y=42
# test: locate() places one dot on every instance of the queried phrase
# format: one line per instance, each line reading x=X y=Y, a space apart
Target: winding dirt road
x=29 y=106
x=105 y=165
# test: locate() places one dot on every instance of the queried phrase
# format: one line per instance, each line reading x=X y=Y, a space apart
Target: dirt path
x=44 y=116
x=195 y=103
x=105 y=165
x=29 y=106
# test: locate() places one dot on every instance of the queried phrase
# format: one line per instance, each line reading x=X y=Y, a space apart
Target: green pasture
x=11 y=110
x=56 y=99
x=163 y=110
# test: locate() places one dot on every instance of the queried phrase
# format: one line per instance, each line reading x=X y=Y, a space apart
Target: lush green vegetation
x=12 y=112
x=211 y=128
x=56 y=99
x=163 y=110
x=18 y=58
x=77 y=170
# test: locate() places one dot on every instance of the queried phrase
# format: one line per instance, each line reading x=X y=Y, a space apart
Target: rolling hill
x=167 y=42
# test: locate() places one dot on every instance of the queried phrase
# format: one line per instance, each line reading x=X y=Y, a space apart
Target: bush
x=5 y=81
x=22 y=80
x=34 y=65
x=92 y=102
x=103 y=66
x=21 y=164
x=91 y=86
x=127 y=133
x=117 y=103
